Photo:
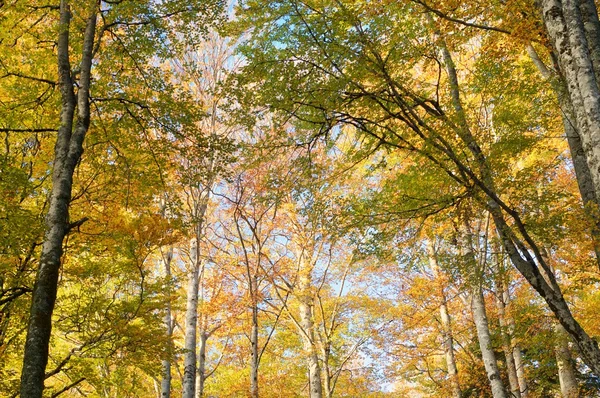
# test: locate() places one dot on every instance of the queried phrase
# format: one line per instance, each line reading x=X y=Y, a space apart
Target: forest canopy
x=299 y=198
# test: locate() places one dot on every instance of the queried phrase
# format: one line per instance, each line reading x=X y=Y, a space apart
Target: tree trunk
x=485 y=342
x=507 y=347
x=583 y=174
x=201 y=372
x=67 y=152
x=446 y=327
x=254 y=354
x=191 y=323
x=566 y=372
x=475 y=279
x=565 y=27
x=308 y=332
x=165 y=384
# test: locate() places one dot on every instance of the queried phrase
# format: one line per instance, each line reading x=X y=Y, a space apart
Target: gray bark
x=67 y=152
x=485 y=342
x=565 y=27
x=165 y=384
x=308 y=332
x=254 y=360
x=201 y=372
x=446 y=327
x=589 y=15
x=566 y=372
x=511 y=368
x=583 y=174
x=191 y=323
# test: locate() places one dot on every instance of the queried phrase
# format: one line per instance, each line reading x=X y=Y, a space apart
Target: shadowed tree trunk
x=67 y=152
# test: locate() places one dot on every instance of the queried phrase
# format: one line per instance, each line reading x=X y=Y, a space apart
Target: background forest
x=299 y=198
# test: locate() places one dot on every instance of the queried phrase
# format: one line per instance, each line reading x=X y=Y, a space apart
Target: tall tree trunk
x=191 y=323
x=566 y=372
x=518 y=356
x=565 y=27
x=325 y=350
x=583 y=174
x=511 y=368
x=446 y=327
x=308 y=331
x=165 y=384
x=254 y=360
x=201 y=371
x=67 y=152
x=485 y=342
x=475 y=279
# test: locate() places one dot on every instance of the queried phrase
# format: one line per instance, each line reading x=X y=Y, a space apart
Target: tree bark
x=67 y=152
x=564 y=362
x=507 y=347
x=165 y=384
x=254 y=360
x=446 y=327
x=485 y=342
x=565 y=27
x=201 y=372
x=308 y=330
x=583 y=174
x=191 y=323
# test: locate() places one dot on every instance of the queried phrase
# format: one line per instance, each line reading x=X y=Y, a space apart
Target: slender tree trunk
x=566 y=372
x=165 y=384
x=485 y=342
x=325 y=350
x=191 y=323
x=511 y=368
x=479 y=313
x=67 y=152
x=201 y=372
x=308 y=332
x=254 y=348
x=518 y=356
x=446 y=327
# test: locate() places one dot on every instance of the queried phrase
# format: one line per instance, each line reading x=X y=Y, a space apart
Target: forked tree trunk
x=67 y=152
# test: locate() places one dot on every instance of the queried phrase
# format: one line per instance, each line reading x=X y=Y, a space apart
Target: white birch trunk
x=308 y=333
x=191 y=322
x=485 y=342
x=165 y=384
x=254 y=361
x=566 y=374
x=201 y=371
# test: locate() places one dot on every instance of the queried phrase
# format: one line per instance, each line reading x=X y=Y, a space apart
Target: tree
x=342 y=73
